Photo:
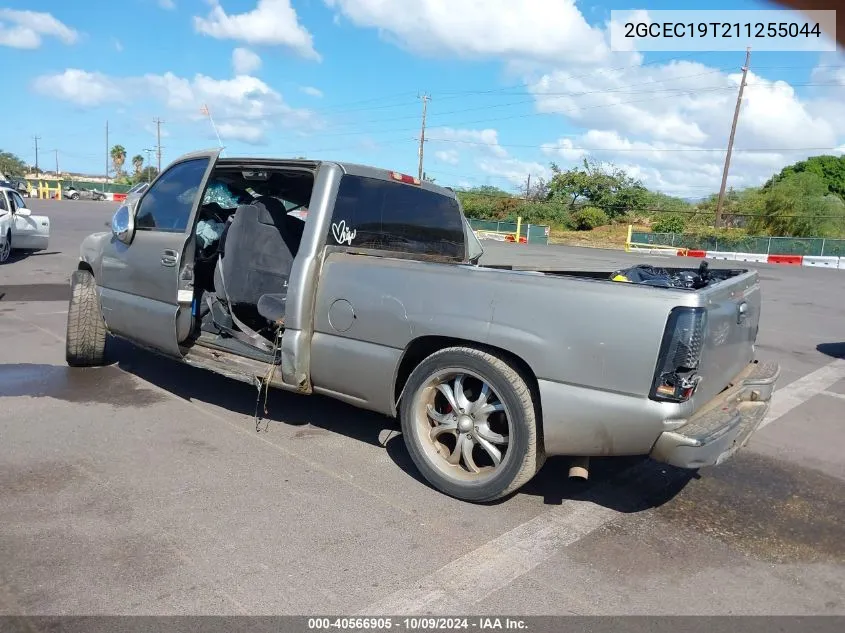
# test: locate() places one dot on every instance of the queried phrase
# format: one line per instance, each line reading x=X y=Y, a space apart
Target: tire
x=85 y=340
x=521 y=456
x=6 y=249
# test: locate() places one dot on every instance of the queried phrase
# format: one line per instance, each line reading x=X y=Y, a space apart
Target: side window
x=17 y=201
x=3 y=206
x=374 y=213
x=167 y=205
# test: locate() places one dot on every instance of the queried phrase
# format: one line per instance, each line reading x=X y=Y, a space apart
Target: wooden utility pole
x=731 y=139
x=158 y=123
x=57 y=162
x=528 y=187
x=425 y=99
x=37 y=138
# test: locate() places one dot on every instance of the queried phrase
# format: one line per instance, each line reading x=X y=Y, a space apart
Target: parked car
x=378 y=299
x=19 y=229
x=73 y=192
x=20 y=185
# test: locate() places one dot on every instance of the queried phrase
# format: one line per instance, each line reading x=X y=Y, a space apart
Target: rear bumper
x=724 y=424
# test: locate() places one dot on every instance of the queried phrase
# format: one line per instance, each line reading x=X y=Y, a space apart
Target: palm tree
x=118 y=157
x=138 y=164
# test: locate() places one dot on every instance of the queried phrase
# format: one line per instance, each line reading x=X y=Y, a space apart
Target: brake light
x=410 y=180
x=675 y=378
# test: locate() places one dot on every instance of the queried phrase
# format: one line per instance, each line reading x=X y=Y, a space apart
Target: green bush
x=589 y=218
x=668 y=223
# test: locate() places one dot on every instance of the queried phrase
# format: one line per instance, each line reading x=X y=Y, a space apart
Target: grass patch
x=612 y=236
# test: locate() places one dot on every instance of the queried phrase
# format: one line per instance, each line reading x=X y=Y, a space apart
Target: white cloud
x=488 y=138
x=490 y=156
x=312 y=91
x=244 y=61
x=167 y=4
x=24 y=29
x=271 y=23
x=244 y=106
x=118 y=45
x=551 y=30
x=246 y=132
x=449 y=156
x=79 y=87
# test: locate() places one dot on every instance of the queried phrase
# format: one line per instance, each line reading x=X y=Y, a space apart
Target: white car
x=19 y=229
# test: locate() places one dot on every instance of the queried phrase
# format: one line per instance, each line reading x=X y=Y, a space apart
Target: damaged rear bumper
x=724 y=425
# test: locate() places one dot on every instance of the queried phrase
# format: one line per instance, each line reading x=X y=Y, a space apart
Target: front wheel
x=85 y=340
x=6 y=248
x=469 y=422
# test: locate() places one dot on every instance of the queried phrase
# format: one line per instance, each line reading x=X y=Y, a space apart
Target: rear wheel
x=6 y=248
x=85 y=341
x=469 y=422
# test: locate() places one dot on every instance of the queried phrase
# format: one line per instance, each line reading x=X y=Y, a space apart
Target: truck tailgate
x=733 y=316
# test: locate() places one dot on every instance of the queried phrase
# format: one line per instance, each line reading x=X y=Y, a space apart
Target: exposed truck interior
x=248 y=230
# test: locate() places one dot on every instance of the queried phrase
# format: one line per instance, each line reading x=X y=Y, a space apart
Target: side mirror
x=123 y=224
x=23 y=212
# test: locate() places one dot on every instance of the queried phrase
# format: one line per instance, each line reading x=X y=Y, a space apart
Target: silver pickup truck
x=364 y=285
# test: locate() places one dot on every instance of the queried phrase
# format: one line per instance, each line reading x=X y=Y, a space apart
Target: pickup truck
x=365 y=285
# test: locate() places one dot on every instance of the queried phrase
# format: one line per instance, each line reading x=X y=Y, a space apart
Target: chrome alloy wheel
x=463 y=426
x=5 y=248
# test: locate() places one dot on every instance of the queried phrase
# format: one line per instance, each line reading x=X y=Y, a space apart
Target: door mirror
x=123 y=224
x=23 y=212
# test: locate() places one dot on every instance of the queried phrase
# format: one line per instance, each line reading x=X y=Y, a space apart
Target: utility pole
x=158 y=123
x=37 y=138
x=107 y=152
x=57 y=162
x=425 y=99
x=149 y=161
x=528 y=187
x=731 y=139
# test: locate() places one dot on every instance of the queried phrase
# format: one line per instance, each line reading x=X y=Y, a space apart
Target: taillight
x=410 y=180
x=675 y=377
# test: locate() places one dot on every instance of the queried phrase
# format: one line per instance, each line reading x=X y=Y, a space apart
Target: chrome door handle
x=168 y=258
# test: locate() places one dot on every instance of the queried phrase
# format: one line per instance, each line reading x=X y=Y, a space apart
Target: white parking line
x=833 y=394
x=799 y=391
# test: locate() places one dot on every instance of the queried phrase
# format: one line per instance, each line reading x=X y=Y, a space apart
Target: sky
x=514 y=85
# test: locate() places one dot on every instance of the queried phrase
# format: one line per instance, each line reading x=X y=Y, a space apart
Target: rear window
x=374 y=213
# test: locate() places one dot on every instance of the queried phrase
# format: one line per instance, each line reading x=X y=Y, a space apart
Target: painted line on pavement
x=833 y=394
x=469 y=579
x=800 y=391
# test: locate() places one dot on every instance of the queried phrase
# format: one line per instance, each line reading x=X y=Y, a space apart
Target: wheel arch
x=83 y=265
x=424 y=346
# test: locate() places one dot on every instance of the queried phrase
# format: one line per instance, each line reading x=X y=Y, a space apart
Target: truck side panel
x=593 y=347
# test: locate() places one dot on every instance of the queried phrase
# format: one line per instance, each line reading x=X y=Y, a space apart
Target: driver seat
x=257 y=250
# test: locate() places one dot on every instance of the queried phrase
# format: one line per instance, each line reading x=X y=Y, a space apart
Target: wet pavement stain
x=772 y=510
x=96 y=385
x=35 y=292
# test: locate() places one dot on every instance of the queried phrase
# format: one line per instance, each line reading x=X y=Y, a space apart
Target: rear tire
x=85 y=340
x=495 y=420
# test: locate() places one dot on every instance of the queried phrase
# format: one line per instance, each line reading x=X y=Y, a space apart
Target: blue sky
x=513 y=87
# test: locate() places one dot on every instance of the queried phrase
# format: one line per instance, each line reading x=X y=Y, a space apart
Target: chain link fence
x=536 y=233
x=810 y=246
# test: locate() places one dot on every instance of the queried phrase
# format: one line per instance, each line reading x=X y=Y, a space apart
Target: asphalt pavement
x=144 y=487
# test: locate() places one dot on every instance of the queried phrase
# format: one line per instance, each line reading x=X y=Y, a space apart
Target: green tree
x=11 y=165
x=799 y=204
x=138 y=164
x=596 y=184
x=118 y=157
x=831 y=170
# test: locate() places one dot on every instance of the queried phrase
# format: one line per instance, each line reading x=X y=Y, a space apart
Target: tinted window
x=373 y=213
x=3 y=206
x=167 y=204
